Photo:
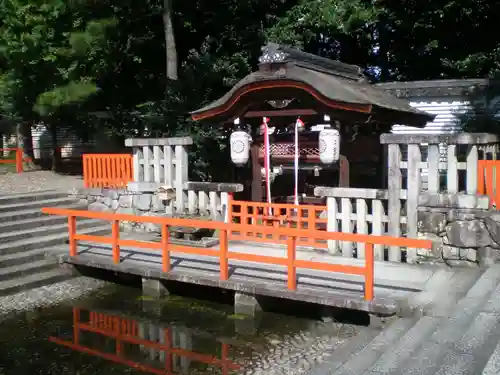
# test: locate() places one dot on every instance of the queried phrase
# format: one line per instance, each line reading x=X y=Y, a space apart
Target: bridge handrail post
x=19 y=160
x=224 y=274
x=71 y=235
x=369 y=272
x=115 y=238
x=165 y=250
x=292 y=270
x=224 y=355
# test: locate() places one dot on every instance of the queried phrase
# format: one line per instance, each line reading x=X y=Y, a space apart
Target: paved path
x=30 y=181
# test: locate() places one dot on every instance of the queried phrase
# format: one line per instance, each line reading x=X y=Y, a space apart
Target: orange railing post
x=480 y=177
x=369 y=272
x=19 y=160
x=115 y=236
x=71 y=235
x=224 y=355
x=292 y=271
x=165 y=251
x=224 y=271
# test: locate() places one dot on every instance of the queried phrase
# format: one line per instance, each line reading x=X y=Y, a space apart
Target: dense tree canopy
x=132 y=66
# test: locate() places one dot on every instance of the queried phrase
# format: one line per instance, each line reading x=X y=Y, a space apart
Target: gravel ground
x=11 y=183
x=49 y=295
x=298 y=354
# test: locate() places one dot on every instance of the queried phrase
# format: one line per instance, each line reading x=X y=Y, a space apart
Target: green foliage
x=49 y=102
x=483 y=116
x=100 y=65
x=51 y=55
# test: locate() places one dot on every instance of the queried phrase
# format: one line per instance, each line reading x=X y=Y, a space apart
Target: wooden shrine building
x=322 y=93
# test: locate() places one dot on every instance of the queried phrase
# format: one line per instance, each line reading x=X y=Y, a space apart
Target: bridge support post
x=154 y=288
x=246 y=304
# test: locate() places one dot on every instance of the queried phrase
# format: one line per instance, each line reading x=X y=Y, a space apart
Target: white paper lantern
x=329 y=145
x=240 y=147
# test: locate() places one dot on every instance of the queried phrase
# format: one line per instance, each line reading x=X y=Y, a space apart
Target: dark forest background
x=120 y=67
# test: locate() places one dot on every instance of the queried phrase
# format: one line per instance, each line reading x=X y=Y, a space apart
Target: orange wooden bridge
x=270 y=250
x=128 y=340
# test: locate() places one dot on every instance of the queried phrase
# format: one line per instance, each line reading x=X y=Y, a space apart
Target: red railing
x=17 y=159
x=223 y=253
x=255 y=215
x=488 y=181
x=107 y=170
x=124 y=331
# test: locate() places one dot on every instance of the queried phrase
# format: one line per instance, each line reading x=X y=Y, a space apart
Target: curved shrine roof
x=333 y=84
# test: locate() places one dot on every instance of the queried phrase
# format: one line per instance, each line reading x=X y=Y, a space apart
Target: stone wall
x=124 y=201
x=463 y=228
x=202 y=200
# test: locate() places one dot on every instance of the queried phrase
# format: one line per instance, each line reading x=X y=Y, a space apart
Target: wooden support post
x=71 y=235
x=115 y=236
x=369 y=272
x=224 y=271
x=19 y=160
x=292 y=271
x=224 y=357
x=165 y=251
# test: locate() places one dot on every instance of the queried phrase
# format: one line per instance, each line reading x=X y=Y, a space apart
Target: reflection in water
x=141 y=345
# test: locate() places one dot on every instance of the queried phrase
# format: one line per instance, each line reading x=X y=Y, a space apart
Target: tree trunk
x=24 y=142
x=56 y=152
x=170 y=47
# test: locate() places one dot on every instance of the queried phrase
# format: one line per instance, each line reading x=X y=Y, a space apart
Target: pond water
x=117 y=331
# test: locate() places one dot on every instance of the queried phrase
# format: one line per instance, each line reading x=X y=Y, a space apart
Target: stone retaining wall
x=124 y=201
x=462 y=226
x=203 y=199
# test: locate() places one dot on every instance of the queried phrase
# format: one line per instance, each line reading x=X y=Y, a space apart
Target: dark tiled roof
x=333 y=80
x=433 y=88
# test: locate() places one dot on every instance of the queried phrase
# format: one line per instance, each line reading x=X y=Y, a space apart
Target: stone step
x=17 y=206
x=471 y=353
x=36 y=280
x=340 y=355
x=31 y=213
x=31 y=197
x=43 y=231
x=367 y=356
x=37 y=222
x=401 y=350
x=21 y=246
x=439 y=280
x=446 y=298
x=493 y=365
x=28 y=268
x=15 y=259
x=426 y=360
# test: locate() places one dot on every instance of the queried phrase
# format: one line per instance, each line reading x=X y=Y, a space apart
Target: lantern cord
x=267 y=161
x=296 y=160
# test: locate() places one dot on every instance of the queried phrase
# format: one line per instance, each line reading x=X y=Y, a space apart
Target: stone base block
x=154 y=288
x=246 y=304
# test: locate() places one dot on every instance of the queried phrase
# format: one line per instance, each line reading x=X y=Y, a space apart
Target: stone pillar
x=246 y=304
x=154 y=288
